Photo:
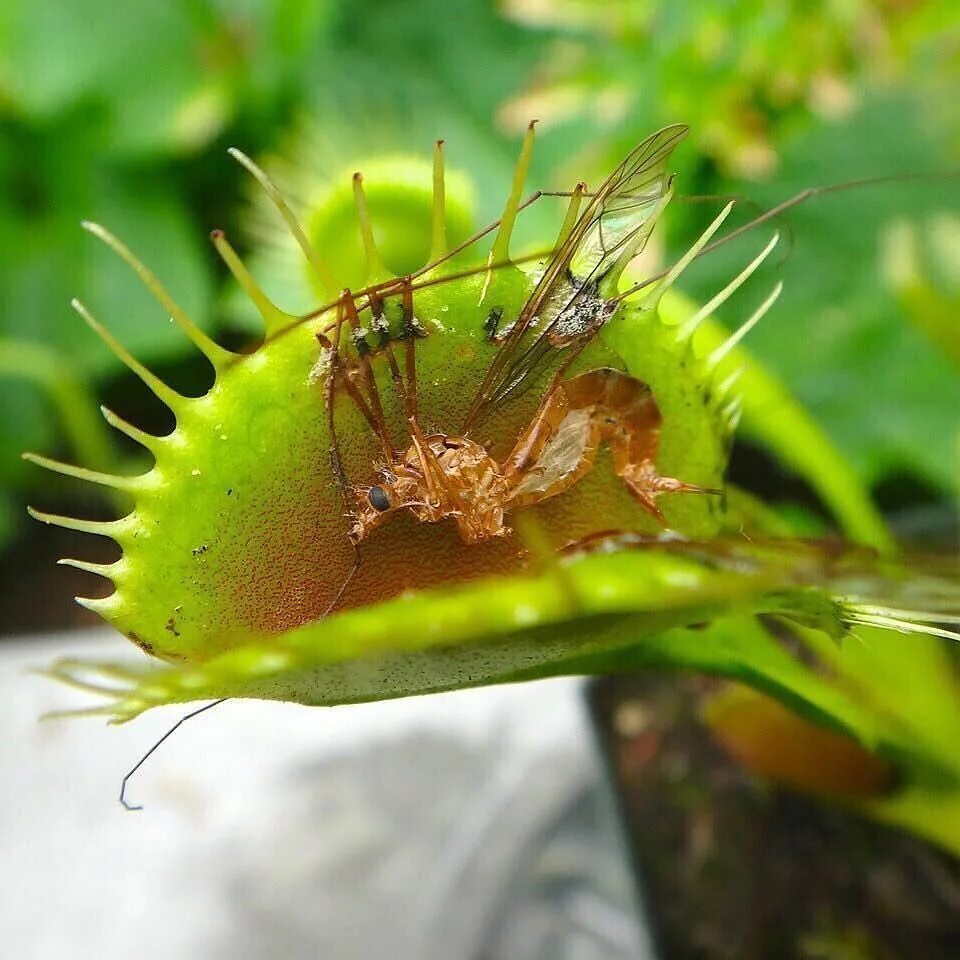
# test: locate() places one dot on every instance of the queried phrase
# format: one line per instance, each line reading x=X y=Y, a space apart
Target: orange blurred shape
x=773 y=742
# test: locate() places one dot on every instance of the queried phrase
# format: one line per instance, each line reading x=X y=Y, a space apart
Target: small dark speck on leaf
x=144 y=645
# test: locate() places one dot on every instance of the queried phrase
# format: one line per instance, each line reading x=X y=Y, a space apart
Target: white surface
x=80 y=877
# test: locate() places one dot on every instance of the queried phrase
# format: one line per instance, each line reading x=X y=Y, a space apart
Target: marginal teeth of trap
x=103 y=528
x=376 y=271
x=501 y=245
x=687 y=328
x=718 y=355
x=320 y=267
x=147 y=440
x=438 y=233
x=657 y=290
x=274 y=318
x=573 y=211
x=81 y=473
x=922 y=616
x=107 y=570
x=731 y=414
x=80 y=675
x=216 y=354
x=175 y=401
x=892 y=621
x=727 y=384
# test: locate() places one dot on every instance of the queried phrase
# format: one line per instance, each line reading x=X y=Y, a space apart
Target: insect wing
x=617 y=211
x=629 y=201
x=565 y=302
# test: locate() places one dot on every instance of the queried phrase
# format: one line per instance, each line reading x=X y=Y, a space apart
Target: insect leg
x=348 y=374
x=433 y=475
x=336 y=461
x=376 y=416
x=630 y=423
x=126 y=778
x=410 y=334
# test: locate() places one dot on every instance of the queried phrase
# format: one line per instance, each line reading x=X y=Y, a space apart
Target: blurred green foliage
x=120 y=113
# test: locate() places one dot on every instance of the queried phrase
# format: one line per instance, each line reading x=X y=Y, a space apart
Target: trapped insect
x=451 y=476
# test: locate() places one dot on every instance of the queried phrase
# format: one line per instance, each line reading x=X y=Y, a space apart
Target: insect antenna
x=127 y=805
x=739 y=200
x=784 y=206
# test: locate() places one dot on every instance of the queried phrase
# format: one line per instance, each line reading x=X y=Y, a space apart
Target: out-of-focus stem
x=76 y=407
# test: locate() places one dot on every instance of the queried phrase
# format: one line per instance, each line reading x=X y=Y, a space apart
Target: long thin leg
x=379 y=421
x=126 y=779
x=407 y=394
x=410 y=342
x=347 y=376
x=336 y=461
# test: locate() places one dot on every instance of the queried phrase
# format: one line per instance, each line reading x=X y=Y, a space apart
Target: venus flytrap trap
x=492 y=469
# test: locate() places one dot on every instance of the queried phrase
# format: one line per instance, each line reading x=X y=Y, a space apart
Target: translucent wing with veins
x=569 y=302
x=629 y=202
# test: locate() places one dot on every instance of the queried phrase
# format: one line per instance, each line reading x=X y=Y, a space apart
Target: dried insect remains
x=452 y=476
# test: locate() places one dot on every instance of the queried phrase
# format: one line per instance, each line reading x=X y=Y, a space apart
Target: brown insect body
x=458 y=479
x=451 y=476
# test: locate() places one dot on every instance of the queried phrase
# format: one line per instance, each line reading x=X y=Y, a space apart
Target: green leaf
x=837 y=338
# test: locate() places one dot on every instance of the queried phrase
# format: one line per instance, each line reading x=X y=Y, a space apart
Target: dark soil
x=734 y=870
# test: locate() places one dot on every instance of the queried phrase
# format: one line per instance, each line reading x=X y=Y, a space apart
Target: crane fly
x=439 y=476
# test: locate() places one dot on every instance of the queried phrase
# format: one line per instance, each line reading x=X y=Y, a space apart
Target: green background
x=122 y=114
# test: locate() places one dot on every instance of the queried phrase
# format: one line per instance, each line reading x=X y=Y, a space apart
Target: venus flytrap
x=488 y=470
